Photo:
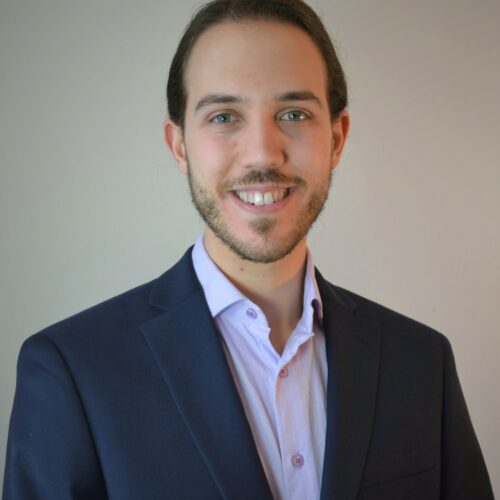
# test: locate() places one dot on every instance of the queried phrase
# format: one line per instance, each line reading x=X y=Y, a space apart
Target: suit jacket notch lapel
x=188 y=350
x=353 y=354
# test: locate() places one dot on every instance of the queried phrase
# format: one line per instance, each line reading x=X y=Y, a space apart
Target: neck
x=276 y=287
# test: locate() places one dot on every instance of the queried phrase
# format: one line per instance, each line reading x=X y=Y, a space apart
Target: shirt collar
x=312 y=304
x=220 y=293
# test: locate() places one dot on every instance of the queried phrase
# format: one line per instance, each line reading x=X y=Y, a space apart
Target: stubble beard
x=269 y=250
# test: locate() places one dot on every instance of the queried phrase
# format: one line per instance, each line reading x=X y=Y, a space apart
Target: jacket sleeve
x=50 y=451
x=464 y=474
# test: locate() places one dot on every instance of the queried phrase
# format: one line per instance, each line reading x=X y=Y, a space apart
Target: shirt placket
x=292 y=420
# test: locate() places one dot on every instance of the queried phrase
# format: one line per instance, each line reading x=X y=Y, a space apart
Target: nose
x=263 y=144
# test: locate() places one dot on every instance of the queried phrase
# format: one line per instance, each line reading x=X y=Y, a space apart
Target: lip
x=263 y=187
x=261 y=209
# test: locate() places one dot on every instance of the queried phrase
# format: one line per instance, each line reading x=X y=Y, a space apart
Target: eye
x=294 y=116
x=222 y=118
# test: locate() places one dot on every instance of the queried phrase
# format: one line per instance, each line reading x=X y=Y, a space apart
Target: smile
x=260 y=198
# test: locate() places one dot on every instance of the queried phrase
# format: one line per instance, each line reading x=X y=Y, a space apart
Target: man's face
x=258 y=144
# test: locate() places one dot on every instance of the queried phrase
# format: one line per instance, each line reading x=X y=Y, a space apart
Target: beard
x=270 y=249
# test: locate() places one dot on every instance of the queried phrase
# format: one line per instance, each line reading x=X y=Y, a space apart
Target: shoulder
x=399 y=333
x=114 y=313
x=389 y=317
x=96 y=329
x=117 y=321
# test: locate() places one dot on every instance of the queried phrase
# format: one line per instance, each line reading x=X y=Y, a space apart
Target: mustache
x=262 y=177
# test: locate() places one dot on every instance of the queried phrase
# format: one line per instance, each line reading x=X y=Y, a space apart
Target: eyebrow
x=217 y=99
x=300 y=95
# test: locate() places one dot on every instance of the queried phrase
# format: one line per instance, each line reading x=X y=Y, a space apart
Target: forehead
x=254 y=59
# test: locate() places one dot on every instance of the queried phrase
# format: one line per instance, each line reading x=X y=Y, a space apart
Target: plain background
x=92 y=204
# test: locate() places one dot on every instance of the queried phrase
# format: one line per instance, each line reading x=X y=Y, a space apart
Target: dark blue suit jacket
x=133 y=400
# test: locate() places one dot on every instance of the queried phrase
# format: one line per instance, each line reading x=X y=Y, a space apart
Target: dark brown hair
x=294 y=12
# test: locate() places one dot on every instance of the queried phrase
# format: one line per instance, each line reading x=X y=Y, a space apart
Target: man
x=241 y=373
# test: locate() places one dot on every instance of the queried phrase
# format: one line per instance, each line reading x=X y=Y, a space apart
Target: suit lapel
x=353 y=351
x=189 y=352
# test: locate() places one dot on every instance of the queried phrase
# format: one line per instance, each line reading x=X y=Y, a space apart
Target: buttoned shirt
x=283 y=395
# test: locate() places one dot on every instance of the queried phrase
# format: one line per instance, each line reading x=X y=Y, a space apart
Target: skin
x=257 y=119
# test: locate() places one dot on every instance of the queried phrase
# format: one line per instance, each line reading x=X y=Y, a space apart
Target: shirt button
x=251 y=313
x=298 y=460
x=283 y=373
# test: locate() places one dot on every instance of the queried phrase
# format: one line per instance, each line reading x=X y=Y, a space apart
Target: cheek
x=310 y=153
x=210 y=158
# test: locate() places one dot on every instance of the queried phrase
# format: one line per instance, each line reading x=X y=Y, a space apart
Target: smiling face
x=258 y=144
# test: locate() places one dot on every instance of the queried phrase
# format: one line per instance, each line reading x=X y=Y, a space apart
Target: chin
x=258 y=247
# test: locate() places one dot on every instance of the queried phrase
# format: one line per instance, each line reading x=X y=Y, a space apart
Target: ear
x=174 y=138
x=340 y=131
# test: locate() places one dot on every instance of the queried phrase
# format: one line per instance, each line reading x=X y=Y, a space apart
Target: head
x=294 y=12
x=257 y=122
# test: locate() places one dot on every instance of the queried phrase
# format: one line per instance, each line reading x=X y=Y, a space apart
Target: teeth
x=259 y=198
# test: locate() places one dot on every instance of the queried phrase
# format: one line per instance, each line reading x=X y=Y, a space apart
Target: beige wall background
x=91 y=203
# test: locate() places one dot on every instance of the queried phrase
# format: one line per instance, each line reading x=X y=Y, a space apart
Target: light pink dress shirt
x=284 y=396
